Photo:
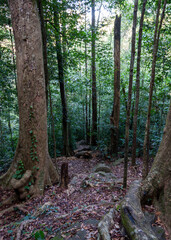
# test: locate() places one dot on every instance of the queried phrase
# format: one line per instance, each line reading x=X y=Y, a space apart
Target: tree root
x=133 y=219
x=20 y=186
x=105 y=224
x=9 y=200
x=21 y=227
x=19 y=207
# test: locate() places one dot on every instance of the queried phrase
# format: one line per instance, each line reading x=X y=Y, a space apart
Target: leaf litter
x=71 y=213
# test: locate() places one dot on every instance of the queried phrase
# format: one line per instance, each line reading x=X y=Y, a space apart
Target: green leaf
x=27 y=187
x=39 y=235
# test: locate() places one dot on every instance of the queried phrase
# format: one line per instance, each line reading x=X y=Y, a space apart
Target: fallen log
x=84 y=154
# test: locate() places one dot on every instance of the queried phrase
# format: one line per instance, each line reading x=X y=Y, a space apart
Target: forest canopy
x=75 y=34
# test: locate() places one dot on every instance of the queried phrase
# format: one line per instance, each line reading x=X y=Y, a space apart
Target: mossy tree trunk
x=32 y=148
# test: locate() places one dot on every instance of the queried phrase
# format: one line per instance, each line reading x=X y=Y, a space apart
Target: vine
x=20 y=170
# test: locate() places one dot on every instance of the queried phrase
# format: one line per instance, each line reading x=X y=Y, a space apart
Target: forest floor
x=72 y=213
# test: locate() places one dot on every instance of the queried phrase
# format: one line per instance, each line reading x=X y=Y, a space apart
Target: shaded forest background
x=73 y=28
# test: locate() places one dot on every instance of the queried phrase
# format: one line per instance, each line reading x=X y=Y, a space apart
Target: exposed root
x=105 y=224
x=19 y=207
x=9 y=200
x=133 y=219
x=21 y=227
x=20 y=186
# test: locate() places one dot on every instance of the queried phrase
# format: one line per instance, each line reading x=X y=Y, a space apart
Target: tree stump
x=64 y=176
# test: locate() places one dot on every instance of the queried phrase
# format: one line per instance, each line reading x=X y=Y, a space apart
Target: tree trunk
x=44 y=41
x=158 y=182
x=32 y=148
x=94 y=93
x=10 y=131
x=114 y=119
x=65 y=128
x=130 y=93
x=89 y=114
x=99 y=111
x=155 y=49
x=64 y=36
x=137 y=85
x=86 y=76
x=64 y=176
x=13 y=58
x=53 y=124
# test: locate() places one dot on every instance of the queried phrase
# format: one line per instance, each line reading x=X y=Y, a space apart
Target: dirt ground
x=71 y=213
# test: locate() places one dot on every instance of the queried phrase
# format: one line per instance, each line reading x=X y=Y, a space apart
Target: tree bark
x=86 y=76
x=158 y=182
x=64 y=36
x=64 y=176
x=130 y=93
x=53 y=124
x=65 y=128
x=137 y=85
x=94 y=92
x=32 y=148
x=44 y=41
x=10 y=131
x=114 y=119
x=13 y=58
x=155 y=49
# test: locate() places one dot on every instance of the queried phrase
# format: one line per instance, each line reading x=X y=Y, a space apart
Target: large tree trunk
x=65 y=128
x=158 y=182
x=137 y=84
x=94 y=93
x=130 y=92
x=155 y=49
x=32 y=148
x=114 y=119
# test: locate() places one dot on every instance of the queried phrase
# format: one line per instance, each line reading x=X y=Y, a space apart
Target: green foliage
x=75 y=33
x=20 y=170
x=39 y=235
